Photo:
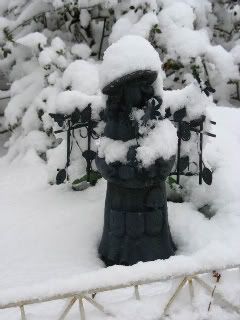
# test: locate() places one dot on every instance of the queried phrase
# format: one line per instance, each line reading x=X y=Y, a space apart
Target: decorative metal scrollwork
x=69 y=123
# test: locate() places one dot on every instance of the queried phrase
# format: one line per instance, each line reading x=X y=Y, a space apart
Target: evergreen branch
x=206 y=71
x=3 y=98
x=4 y=94
x=25 y=22
x=224 y=31
x=4 y=131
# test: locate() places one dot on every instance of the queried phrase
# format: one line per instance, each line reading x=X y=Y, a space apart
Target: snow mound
x=67 y=101
x=127 y=55
x=190 y=97
x=128 y=25
x=81 y=50
x=178 y=35
x=223 y=61
x=82 y=76
x=58 y=45
x=33 y=40
x=46 y=57
x=180 y=13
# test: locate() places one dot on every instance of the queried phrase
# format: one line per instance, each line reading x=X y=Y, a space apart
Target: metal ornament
x=69 y=123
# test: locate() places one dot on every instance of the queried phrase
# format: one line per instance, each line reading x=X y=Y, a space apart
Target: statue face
x=136 y=94
x=131 y=95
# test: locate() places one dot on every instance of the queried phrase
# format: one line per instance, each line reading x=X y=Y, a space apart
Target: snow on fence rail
x=117 y=277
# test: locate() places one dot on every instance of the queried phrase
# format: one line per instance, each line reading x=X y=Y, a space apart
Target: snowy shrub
x=51 y=52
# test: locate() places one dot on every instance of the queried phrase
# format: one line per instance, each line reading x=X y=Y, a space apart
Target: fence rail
x=88 y=295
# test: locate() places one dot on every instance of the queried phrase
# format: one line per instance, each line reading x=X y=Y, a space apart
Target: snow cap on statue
x=131 y=57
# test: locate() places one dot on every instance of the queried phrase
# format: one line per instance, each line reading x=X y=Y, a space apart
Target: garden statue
x=136 y=154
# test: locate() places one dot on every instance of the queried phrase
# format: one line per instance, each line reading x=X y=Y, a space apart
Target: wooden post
x=102 y=37
x=191 y=290
x=68 y=145
x=23 y=314
x=176 y=292
x=97 y=305
x=67 y=309
x=179 y=153
x=89 y=136
x=81 y=309
x=200 y=154
x=136 y=291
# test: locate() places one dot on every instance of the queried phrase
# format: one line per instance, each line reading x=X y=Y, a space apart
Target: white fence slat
x=81 y=309
x=23 y=314
x=136 y=291
x=68 y=308
x=217 y=295
x=176 y=292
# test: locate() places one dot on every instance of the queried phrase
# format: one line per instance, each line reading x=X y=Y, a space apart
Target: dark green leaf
x=207 y=176
x=179 y=114
x=183 y=163
x=184 y=131
x=75 y=116
x=78 y=185
x=58 y=117
x=61 y=176
x=168 y=112
x=86 y=114
x=197 y=122
x=89 y=155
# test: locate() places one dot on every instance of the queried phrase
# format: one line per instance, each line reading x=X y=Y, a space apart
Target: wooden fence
x=88 y=295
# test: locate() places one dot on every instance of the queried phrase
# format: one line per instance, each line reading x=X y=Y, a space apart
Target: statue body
x=135 y=222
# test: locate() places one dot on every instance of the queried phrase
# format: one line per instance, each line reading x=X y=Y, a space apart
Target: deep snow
x=49 y=234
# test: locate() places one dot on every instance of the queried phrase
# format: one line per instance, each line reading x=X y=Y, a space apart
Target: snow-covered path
x=51 y=232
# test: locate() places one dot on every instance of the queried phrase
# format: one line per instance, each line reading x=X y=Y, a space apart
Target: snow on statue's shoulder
x=127 y=55
x=161 y=142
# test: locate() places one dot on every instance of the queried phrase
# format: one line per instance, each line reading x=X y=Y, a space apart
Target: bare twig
x=217 y=276
x=101 y=43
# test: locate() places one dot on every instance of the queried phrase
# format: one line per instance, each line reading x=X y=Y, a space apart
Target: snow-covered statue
x=136 y=154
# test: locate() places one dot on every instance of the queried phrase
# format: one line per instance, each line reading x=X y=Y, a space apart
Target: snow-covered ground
x=50 y=234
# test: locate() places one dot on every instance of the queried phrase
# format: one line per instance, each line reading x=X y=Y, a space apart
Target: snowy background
x=51 y=55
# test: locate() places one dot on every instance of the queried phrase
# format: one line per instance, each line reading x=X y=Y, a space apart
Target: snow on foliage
x=81 y=50
x=126 y=25
x=50 y=52
x=69 y=100
x=33 y=40
x=82 y=76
